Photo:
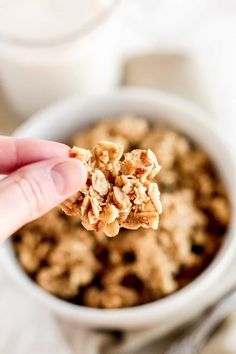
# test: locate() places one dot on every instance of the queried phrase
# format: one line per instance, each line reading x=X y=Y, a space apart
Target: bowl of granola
x=144 y=275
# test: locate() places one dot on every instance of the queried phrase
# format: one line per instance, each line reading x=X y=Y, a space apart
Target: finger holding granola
x=37 y=176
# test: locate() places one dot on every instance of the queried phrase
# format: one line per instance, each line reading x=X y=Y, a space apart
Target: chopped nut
x=154 y=194
x=81 y=154
x=145 y=219
x=121 y=199
x=112 y=229
x=109 y=213
x=100 y=183
x=106 y=151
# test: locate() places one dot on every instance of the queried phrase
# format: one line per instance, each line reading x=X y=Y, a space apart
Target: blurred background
x=53 y=49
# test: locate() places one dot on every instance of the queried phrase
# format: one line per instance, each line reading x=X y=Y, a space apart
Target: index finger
x=17 y=152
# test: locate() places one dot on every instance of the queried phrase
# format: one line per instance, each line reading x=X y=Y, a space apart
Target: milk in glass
x=51 y=49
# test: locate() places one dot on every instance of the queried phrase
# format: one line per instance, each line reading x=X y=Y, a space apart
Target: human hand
x=39 y=176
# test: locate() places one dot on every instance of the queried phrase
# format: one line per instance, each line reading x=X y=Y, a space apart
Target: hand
x=40 y=175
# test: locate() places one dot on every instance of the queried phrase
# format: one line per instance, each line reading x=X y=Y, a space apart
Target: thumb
x=34 y=189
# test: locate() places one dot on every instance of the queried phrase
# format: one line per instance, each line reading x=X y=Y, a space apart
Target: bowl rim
x=146 y=313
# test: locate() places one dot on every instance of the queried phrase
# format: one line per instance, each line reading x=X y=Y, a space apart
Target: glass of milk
x=51 y=49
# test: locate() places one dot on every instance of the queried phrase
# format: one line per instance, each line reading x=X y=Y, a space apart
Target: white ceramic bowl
x=58 y=122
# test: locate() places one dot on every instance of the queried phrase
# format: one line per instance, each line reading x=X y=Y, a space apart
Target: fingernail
x=69 y=176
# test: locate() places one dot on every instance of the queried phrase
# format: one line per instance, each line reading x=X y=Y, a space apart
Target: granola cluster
x=119 y=191
x=139 y=266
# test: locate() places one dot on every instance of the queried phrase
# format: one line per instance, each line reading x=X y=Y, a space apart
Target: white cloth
x=204 y=31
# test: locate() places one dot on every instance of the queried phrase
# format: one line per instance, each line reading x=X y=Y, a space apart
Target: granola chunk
x=119 y=190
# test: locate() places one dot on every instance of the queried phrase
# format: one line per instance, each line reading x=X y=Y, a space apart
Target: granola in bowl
x=138 y=266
